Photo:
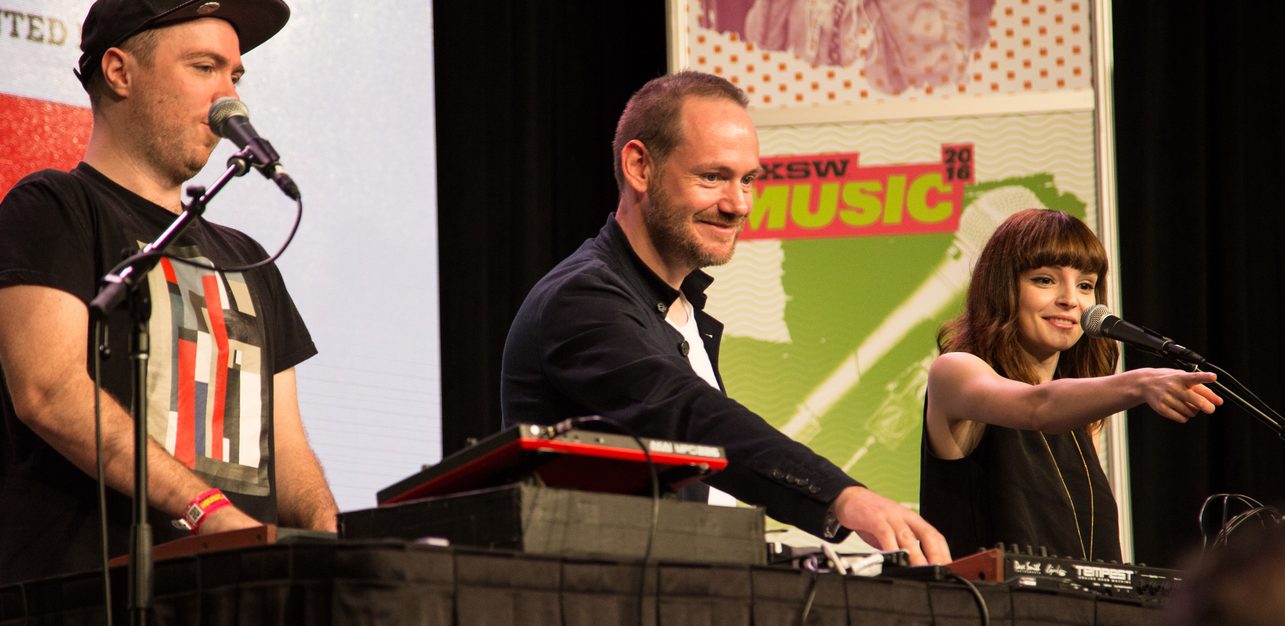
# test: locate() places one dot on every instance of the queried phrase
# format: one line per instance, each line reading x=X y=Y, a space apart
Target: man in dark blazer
x=618 y=328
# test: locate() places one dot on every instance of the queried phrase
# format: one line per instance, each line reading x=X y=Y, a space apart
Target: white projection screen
x=345 y=94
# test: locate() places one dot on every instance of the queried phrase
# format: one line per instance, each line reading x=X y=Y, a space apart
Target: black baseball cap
x=110 y=22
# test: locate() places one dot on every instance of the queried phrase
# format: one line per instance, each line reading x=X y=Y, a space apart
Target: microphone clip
x=239 y=162
x=1172 y=350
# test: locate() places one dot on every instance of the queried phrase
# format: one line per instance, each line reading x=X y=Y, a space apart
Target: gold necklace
x=1088 y=556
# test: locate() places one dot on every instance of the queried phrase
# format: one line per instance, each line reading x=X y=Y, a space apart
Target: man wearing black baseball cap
x=111 y=22
x=228 y=448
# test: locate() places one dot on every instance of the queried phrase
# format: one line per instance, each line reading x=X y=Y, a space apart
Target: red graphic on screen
x=834 y=195
x=38 y=134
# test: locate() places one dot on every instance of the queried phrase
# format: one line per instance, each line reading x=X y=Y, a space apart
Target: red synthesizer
x=571 y=458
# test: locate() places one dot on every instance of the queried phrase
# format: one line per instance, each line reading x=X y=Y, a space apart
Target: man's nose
x=739 y=199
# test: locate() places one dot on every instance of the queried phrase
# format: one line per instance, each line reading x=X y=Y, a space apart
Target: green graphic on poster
x=831 y=317
x=896 y=136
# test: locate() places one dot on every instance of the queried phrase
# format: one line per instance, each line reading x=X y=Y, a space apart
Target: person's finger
x=885 y=536
x=1199 y=402
x=907 y=541
x=1178 y=405
x=1183 y=407
x=1208 y=394
x=1193 y=378
x=915 y=551
x=1170 y=411
x=932 y=543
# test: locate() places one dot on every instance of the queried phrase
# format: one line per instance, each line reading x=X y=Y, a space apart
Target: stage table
x=394 y=583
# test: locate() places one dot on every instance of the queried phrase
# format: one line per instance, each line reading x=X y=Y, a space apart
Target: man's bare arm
x=303 y=497
x=43 y=338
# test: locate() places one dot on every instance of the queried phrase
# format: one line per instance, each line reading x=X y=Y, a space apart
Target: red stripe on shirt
x=218 y=327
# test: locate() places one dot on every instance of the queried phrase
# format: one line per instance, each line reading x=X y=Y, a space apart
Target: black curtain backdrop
x=1199 y=132
x=527 y=98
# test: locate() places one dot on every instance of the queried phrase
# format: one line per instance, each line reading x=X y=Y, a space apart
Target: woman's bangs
x=1067 y=246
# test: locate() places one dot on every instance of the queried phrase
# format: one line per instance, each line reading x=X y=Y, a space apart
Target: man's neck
x=629 y=216
x=679 y=311
x=114 y=162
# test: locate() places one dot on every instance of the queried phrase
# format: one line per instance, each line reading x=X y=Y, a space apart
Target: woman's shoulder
x=958 y=364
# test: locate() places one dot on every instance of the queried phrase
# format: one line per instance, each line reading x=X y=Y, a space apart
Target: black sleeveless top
x=1008 y=490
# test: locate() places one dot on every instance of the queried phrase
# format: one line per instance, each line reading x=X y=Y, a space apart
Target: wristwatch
x=830 y=527
x=199 y=508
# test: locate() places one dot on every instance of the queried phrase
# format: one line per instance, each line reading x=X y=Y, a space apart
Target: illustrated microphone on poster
x=941 y=287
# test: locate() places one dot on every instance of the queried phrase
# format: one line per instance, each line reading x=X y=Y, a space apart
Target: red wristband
x=200 y=508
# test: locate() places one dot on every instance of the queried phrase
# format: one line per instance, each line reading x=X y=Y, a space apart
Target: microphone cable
x=99 y=345
x=213 y=267
x=561 y=428
x=1255 y=411
x=839 y=564
x=1092 y=322
x=1263 y=513
x=1227 y=525
x=1258 y=409
x=810 y=564
x=982 y=609
x=1265 y=407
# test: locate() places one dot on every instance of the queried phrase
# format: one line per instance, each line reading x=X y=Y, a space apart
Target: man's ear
x=637 y=165
x=115 y=68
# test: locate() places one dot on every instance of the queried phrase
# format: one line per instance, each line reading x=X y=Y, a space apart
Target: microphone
x=230 y=119
x=1099 y=321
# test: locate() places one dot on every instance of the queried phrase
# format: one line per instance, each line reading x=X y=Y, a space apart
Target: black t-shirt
x=1010 y=490
x=217 y=339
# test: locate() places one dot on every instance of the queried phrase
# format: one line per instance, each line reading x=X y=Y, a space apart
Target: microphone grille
x=1091 y=321
x=222 y=110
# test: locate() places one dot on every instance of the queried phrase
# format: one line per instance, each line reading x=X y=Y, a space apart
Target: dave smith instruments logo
x=1097 y=575
x=1037 y=568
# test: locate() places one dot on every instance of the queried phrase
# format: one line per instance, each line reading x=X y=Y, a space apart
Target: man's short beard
x=161 y=142
x=672 y=233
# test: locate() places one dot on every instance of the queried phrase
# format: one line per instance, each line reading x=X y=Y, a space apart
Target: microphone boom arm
x=1265 y=414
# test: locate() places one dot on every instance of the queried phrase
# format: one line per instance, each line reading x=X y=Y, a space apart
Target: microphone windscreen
x=1092 y=319
x=224 y=109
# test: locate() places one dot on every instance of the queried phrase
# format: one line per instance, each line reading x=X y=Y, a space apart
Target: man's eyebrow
x=724 y=168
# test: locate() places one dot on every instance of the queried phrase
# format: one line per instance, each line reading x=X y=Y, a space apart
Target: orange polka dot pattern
x=877 y=51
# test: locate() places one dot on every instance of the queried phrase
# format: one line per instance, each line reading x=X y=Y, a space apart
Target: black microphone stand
x=1264 y=414
x=1187 y=359
x=1269 y=420
x=116 y=287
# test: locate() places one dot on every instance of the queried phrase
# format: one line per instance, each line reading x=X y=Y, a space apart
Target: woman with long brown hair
x=1018 y=392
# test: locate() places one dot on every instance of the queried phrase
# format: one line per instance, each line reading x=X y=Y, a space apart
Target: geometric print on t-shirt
x=207 y=402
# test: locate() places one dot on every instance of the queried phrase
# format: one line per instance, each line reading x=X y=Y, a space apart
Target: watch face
x=831 y=525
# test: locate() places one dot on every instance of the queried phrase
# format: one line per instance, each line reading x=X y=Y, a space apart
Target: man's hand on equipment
x=226 y=519
x=888 y=526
